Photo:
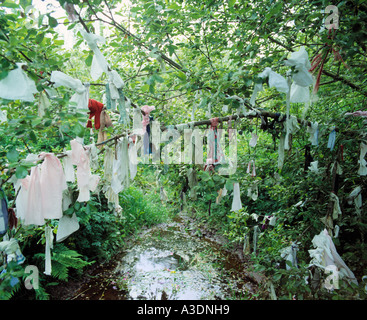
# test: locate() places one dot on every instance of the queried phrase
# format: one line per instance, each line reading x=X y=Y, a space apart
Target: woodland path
x=170 y=261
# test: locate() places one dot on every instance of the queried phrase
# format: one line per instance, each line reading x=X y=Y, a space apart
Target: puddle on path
x=167 y=263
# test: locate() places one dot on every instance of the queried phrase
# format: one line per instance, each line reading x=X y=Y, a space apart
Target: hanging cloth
x=99 y=63
x=325 y=255
x=236 y=202
x=299 y=94
x=336 y=206
x=109 y=157
x=12 y=250
x=314 y=133
x=133 y=159
x=81 y=95
x=146 y=111
x=290 y=254
x=299 y=60
x=253 y=140
x=43 y=104
x=137 y=122
x=255 y=237
x=356 y=194
x=17 y=86
x=292 y=127
x=120 y=168
x=29 y=210
x=85 y=180
x=302 y=78
x=281 y=151
x=331 y=141
x=253 y=171
x=4 y=214
x=68 y=167
x=49 y=245
x=362 y=171
x=67 y=226
x=274 y=80
x=253 y=191
x=215 y=153
x=52 y=183
x=95 y=107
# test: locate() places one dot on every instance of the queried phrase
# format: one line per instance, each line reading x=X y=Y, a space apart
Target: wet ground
x=168 y=262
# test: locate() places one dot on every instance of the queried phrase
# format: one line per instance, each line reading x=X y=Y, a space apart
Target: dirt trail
x=168 y=262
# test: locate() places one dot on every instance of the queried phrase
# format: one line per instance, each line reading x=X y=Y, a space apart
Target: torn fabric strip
x=49 y=245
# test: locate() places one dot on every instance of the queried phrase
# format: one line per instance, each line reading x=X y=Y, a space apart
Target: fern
x=62 y=259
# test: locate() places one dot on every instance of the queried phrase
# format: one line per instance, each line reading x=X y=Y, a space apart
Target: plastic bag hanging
x=236 y=202
x=17 y=86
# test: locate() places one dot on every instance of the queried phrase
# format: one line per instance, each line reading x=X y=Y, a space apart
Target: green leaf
x=79 y=130
x=33 y=136
x=52 y=21
x=12 y=155
x=89 y=59
x=40 y=37
x=9 y=4
x=21 y=172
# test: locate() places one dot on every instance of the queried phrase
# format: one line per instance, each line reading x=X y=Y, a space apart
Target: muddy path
x=170 y=261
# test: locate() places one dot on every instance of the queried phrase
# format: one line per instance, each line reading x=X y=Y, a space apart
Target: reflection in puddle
x=166 y=263
x=170 y=264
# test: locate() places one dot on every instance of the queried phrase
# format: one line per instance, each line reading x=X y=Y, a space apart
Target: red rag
x=95 y=108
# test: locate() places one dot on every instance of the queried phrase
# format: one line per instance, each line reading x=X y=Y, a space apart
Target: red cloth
x=95 y=108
